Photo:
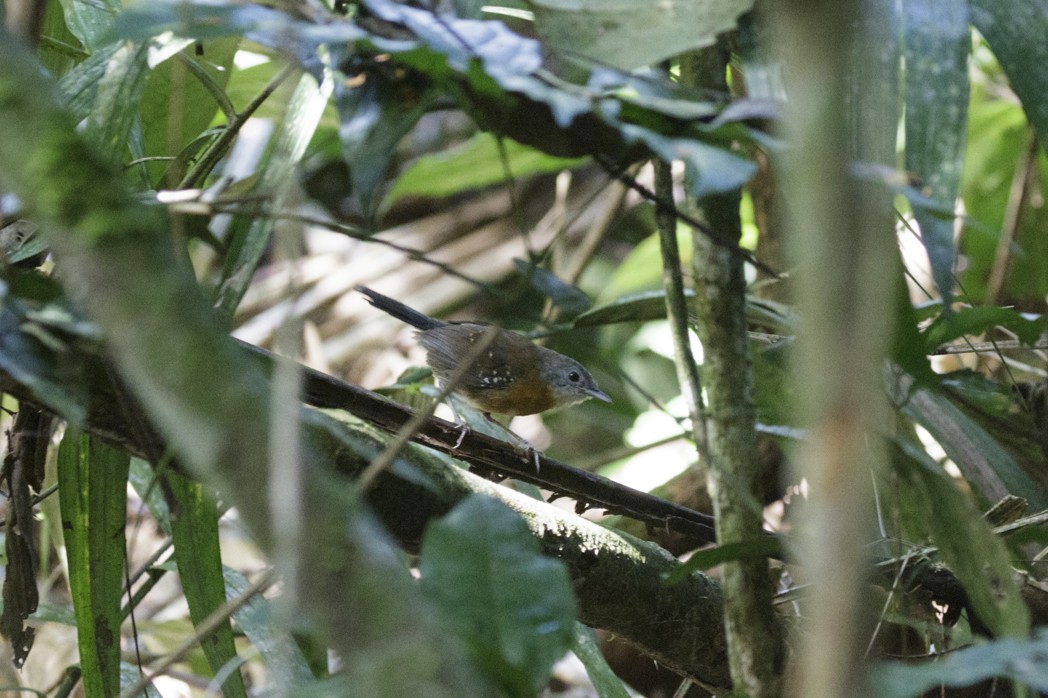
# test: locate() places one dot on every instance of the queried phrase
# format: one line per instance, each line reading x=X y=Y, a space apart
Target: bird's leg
x=463 y=427
x=459 y=421
x=521 y=441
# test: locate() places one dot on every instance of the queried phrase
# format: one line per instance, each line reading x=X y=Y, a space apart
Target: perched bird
x=513 y=376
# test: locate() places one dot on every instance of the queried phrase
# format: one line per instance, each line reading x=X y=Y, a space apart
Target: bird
x=513 y=376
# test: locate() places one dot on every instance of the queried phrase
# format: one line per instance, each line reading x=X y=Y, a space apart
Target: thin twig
x=218 y=147
x=412 y=253
x=664 y=207
x=677 y=309
x=979 y=347
x=1017 y=197
x=597 y=232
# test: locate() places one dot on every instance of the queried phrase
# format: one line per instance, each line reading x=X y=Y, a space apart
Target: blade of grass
x=92 y=480
x=194 y=530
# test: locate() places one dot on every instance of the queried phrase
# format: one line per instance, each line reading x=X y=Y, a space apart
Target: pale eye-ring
x=574 y=377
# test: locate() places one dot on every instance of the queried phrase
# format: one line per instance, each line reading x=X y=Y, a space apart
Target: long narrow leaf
x=194 y=529
x=285 y=661
x=986 y=464
x=92 y=487
x=249 y=237
x=937 y=40
x=965 y=541
x=604 y=680
x=90 y=20
x=1016 y=31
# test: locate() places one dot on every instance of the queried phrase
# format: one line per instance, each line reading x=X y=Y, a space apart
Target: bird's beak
x=599 y=394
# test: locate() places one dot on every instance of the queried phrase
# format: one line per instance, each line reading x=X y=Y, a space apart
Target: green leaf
x=180 y=101
x=475 y=164
x=937 y=41
x=966 y=543
x=90 y=21
x=144 y=479
x=512 y=607
x=651 y=305
x=373 y=117
x=249 y=235
x=604 y=680
x=498 y=77
x=987 y=466
x=628 y=34
x=33 y=356
x=908 y=346
x=568 y=298
x=284 y=660
x=757 y=548
x=980 y=319
x=1024 y=661
x=1016 y=31
x=115 y=99
x=194 y=531
x=19 y=242
x=92 y=489
x=129 y=676
x=197 y=20
x=60 y=50
x=495 y=75
x=637 y=307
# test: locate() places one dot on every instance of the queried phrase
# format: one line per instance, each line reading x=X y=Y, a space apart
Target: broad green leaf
x=511 y=606
x=1021 y=660
x=90 y=21
x=474 y=164
x=651 y=305
x=19 y=242
x=258 y=620
x=568 y=298
x=60 y=50
x=1016 y=31
x=628 y=34
x=144 y=479
x=194 y=530
x=468 y=9
x=763 y=547
x=92 y=488
x=908 y=347
x=980 y=319
x=985 y=463
x=965 y=541
x=199 y=20
x=636 y=307
x=116 y=96
x=604 y=680
x=248 y=236
x=937 y=42
x=32 y=353
x=373 y=116
x=761 y=66
x=180 y=101
x=79 y=86
x=129 y=676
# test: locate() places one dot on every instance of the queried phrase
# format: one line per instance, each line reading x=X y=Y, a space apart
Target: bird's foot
x=463 y=430
x=520 y=444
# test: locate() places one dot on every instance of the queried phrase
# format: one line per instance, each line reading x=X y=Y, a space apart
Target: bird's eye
x=574 y=377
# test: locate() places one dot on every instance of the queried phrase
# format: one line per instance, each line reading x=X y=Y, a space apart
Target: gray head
x=567 y=379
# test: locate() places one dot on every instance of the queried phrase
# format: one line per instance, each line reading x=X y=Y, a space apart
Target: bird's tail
x=399 y=310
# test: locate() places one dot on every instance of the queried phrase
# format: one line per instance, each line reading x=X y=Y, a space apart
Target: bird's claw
x=463 y=430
